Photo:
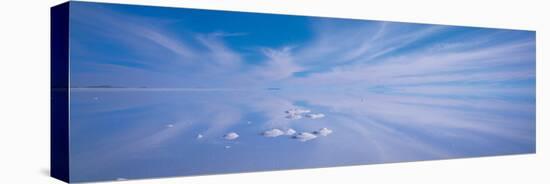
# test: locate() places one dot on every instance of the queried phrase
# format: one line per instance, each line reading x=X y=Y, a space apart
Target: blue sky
x=389 y=91
x=157 y=47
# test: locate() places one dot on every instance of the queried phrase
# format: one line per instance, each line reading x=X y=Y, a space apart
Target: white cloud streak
x=315 y=115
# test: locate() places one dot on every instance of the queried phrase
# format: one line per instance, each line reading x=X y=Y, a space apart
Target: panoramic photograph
x=167 y=92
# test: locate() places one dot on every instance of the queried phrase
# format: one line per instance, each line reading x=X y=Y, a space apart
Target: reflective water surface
x=128 y=134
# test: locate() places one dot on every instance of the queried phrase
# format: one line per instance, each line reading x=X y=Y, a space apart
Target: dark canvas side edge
x=59 y=91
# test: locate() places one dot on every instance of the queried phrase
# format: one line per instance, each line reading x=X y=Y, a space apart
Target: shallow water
x=140 y=133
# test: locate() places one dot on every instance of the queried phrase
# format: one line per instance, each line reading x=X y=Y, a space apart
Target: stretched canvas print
x=146 y=92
